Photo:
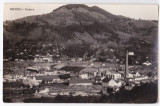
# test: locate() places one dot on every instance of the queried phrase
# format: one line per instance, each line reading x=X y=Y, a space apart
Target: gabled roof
x=88 y=70
x=106 y=80
x=64 y=76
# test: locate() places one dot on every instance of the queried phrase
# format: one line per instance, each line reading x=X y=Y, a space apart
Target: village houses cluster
x=107 y=77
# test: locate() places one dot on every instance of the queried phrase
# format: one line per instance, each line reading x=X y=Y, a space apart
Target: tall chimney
x=126 y=66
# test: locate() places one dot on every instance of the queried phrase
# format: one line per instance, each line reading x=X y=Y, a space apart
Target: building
x=43 y=59
x=107 y=82
x=38 y=59
x=136 y=77
x=46 y=78
x=47 y=59
x=79 y=81
x=49 y=72
x=109 y=73
x=33 y=70
x=88 y=73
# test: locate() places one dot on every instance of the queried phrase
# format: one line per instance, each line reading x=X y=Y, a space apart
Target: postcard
x=80 y=53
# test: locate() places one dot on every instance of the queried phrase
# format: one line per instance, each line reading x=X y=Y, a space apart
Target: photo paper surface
x=80 y=53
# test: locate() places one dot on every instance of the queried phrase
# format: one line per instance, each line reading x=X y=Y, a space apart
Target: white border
x=64 y=2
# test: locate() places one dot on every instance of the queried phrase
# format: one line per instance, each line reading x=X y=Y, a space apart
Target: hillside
x=77 y=30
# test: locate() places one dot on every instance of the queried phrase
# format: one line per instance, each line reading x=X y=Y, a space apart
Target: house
x=79 y=81
x=113 y=75
x=136 y=76
x=107 y=82
x=47 y=59
x=49 y=72
x=30 y=81
x=109 y=73
x=38 y=59
x=46 y=78
x=43 y=58
x=33 y=69
x=88 y=73
x=147 y=63
x=140 y=78
x=84 y=76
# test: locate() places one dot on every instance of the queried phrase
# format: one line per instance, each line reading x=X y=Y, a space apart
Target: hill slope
x=77 y=30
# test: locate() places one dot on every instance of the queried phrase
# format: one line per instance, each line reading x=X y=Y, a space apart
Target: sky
x=146 y=12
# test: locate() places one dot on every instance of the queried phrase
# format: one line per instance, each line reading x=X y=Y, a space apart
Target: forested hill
x=78 y=30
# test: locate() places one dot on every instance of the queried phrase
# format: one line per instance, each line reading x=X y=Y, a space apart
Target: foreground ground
x=147 y=93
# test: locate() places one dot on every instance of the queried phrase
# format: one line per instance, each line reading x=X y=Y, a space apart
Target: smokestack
x=126 y=66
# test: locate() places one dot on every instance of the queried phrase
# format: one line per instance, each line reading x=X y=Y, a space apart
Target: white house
x=109 y=73
x=135 y=76
x=111 y=83
x=113 y=75
x=84 y=76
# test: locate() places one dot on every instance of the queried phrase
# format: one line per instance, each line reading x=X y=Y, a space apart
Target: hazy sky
x=147 y=12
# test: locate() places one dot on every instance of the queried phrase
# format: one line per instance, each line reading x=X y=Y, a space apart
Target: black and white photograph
x=80 y=53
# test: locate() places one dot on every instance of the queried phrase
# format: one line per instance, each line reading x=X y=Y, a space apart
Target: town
x=44 y=77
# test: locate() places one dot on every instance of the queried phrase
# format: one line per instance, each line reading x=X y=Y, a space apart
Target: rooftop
x=88 y=70
x=106 y=80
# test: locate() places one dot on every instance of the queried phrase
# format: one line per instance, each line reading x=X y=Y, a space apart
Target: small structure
x=33 y=69
x=84 y=75
x=111 y=83
x=136 y=77
x=147 y=63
